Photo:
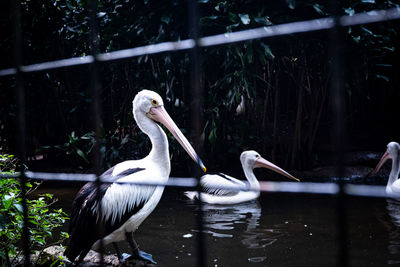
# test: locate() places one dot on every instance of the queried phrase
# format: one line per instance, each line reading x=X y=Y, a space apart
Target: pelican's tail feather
x=191 y=194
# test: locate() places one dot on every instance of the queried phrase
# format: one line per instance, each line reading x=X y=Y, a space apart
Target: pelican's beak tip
x=200 y=163
x=204 y=168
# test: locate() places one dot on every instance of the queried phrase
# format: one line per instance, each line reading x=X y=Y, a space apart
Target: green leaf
x=385 y=78
x=54 y=263
x=64 y=235
x=369 y=31
x=101 y=14
x=319 y=9
x=39 y=240
x=230 y=27
x=212 y=137
x=82 y=155
x=356 y=38
x=244 y=18
x=263 y=20
x=232 y=17
x=7 y=201
x=34 y=222
x=165 y=19
x=267 y=51
x=291 y=4
x=18 y=207
x=210 y=17
x=350 y=11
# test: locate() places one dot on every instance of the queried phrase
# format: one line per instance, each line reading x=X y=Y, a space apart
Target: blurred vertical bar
x=196 y=115
x=339 y=140
x=21 y=134
x=96 y=111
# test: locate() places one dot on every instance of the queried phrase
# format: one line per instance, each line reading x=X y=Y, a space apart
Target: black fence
x=332 y=24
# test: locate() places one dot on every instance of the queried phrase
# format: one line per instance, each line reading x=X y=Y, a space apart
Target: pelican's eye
x=154 y=102
x=257 y=156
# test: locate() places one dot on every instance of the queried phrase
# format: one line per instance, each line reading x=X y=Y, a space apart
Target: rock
x=54 y=253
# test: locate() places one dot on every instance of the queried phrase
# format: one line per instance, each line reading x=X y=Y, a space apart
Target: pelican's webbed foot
x=138 y=254
x=144 y=256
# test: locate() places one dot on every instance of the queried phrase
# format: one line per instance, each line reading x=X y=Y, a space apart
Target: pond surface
x=277 y=230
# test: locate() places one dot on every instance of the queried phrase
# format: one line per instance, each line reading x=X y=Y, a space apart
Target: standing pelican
x=227 y=194
x=392 y=152
x=124 y=206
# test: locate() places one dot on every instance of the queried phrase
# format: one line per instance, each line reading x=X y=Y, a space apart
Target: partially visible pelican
x=125 y=206
x=392 y=152
x=210 y=182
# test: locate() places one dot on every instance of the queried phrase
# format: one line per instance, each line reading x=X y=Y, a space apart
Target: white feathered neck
x=247 y=166
x=160 y=150
x=394 y=173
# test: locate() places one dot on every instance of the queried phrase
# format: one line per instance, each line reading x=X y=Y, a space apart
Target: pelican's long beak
x=160 y=114
x=263 y=163
x=384 y=158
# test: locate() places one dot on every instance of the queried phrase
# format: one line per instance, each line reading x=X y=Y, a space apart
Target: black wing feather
x=128 y=172
x=220 y=191
x=85 y=228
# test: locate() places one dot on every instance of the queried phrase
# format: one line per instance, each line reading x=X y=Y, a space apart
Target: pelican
x=125 y=206
x=220 y=188
x=392 y=152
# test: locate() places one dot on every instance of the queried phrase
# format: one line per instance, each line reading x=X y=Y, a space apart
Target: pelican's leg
x=117 y=250
x=136 y=252
x=121 y=256
x=82 y=255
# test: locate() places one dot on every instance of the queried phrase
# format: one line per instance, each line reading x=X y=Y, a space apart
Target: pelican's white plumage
x=392 y=152
x=125 y=206
x=223 y=189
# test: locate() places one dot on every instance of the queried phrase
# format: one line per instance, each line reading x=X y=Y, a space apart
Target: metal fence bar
x=219 y=39
x=196 y=117
x=301 y=27
x=338 y=137
x=21 y=127
x=95 y=114
x=378 y=191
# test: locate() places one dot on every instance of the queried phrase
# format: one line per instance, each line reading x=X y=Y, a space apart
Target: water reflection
x=393 y=208
x=241 y=220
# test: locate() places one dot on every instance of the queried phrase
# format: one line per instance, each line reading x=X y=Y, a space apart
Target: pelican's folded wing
x=220 y=184
x=85 y=225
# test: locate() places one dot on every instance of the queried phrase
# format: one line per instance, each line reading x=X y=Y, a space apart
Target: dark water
x=277 y=230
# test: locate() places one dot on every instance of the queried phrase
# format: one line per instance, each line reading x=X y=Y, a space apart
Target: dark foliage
x=283 y=82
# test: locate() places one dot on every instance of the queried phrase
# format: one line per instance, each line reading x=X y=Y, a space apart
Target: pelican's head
x=145 y=100
x=151 y=104
x=252 y=159
x=392 y=152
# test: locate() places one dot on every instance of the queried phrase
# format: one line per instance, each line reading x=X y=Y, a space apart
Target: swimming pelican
x=125 y=206
x=392 y=152
x=210 y=182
